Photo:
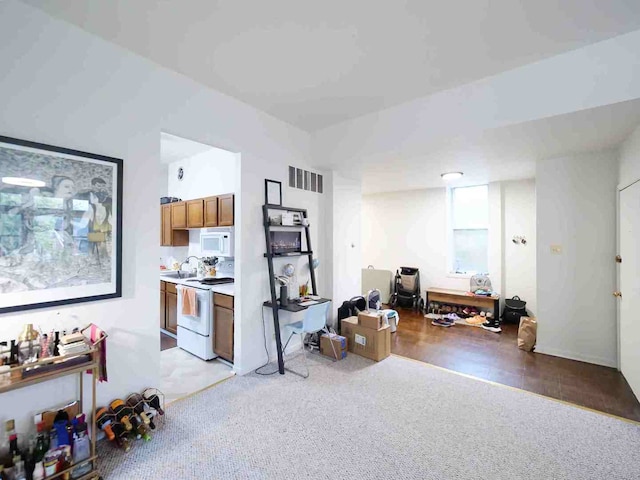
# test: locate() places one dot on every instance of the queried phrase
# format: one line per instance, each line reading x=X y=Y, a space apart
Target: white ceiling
x=504 y=153
x=174 y=148
x=314 y=64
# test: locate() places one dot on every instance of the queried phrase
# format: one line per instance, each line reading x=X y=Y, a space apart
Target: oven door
x=201 y=323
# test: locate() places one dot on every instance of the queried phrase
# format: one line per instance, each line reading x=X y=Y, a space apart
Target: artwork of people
x=57 y=221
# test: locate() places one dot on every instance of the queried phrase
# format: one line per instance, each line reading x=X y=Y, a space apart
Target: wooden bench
x=460 y=297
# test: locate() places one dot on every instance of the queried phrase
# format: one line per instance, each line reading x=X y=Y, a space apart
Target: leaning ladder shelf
x=76 y=364
x=273 y=304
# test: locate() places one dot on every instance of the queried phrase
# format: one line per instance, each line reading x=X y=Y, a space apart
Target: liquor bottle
x=14 y=451
x=104 y=421
x=122 y=437
x=122 y=413
x=42 y=443
x=152 y=400
x=56 y=344
x=136 y=402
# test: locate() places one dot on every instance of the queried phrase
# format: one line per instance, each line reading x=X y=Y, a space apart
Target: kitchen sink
x=181 y=274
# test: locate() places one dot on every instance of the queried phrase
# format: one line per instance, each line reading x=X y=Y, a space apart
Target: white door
x=629 y=331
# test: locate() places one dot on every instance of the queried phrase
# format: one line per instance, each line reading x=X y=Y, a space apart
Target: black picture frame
x=268 y=198
x=17 y=151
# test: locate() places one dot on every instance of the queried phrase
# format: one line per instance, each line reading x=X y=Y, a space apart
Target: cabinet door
x=195 y=213
x=172 y=313
x=163 y=311
x=223 y=337
x=211 y=212
x=165 y=230
x=178 y=215
x=225 y=210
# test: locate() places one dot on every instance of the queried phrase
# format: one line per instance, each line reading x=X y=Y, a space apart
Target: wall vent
x=305 y=180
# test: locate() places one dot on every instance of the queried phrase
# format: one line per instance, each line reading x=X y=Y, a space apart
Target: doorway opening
x=199 y=191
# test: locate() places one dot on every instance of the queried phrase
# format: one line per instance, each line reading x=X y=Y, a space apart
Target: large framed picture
x=60 y=226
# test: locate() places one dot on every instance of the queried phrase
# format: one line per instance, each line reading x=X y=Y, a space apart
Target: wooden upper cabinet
x=178 y=215
x=168 y=236
x=165 y=230
x=225 y=210
x=211 y=212
x=195 y=213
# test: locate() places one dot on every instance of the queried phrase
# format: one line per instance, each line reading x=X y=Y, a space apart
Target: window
x=469 y=234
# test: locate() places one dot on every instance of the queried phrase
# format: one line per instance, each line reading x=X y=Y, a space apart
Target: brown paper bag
x=527 y=333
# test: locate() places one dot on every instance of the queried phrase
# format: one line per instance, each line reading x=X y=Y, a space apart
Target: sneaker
x=492 y=326
x=441 y=322
x=434 y=316
x=476 y=320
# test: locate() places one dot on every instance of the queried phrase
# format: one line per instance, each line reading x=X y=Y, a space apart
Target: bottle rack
x=52 y=368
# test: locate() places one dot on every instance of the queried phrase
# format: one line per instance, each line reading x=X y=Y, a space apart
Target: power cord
x=264 y=334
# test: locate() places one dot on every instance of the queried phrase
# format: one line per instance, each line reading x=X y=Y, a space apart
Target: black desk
x=294 y=307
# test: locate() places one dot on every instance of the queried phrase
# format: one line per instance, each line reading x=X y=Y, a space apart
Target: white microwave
x=216 y=243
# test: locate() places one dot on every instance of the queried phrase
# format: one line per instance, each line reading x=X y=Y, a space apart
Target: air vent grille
x=305 y=180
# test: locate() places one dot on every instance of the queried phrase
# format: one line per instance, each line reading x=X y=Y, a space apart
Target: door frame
x=621 y=187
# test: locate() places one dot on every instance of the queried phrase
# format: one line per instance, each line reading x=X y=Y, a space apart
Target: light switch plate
x=556 y=249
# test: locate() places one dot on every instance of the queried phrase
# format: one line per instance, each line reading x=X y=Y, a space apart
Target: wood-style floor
x=496 y=357
x=167 y=342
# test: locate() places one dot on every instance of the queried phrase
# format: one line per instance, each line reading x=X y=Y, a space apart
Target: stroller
x=406 y=289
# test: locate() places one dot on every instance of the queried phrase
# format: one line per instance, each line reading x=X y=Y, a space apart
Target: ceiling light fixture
x=23 y=182
x=451 y=176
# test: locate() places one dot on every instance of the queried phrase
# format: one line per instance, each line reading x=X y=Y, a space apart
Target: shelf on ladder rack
x=289 y=254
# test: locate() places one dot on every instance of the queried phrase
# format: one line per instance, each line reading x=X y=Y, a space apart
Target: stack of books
x=73 y=344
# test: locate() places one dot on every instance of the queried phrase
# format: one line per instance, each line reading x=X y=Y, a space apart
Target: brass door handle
x=617 y=294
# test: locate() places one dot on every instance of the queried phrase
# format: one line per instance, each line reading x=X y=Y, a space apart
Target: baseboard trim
x=576 y=356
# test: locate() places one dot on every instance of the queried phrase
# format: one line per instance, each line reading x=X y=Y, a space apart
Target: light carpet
x=182 y=374
x=358 y=419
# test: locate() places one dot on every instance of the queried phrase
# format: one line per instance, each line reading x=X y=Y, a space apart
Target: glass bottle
x=122 y=411
x=153 y=401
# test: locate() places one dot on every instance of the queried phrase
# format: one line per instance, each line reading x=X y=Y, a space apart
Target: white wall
x=208 y=173
x=519 y=267
x=346 y=193
x=576 y=209
x=630 y=159
x=63 y=86
x=409 y=228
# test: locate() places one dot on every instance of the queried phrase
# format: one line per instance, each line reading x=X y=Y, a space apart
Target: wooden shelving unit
x=54 y=368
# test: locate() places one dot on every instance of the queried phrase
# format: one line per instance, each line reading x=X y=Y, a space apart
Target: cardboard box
x=367 y=342
x=372 y=320
x=339 y=344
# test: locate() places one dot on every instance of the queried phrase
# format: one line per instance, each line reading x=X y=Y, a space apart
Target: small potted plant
x=209 y=266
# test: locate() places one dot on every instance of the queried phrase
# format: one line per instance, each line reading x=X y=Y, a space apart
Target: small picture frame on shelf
x=272 y=192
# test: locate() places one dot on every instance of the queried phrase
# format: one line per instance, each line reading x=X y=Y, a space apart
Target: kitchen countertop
x=224 y=289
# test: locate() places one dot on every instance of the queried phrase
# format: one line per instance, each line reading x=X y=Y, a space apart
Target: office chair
x=314 y=321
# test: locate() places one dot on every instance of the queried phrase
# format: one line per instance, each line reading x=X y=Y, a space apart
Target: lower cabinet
x=169 y=307
x=223 y=326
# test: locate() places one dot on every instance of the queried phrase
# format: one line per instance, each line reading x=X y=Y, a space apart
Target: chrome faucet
x=186 y=260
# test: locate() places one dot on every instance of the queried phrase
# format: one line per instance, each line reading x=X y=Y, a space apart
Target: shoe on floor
x=477 y=320
x=492 y=325
x=441 y=322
